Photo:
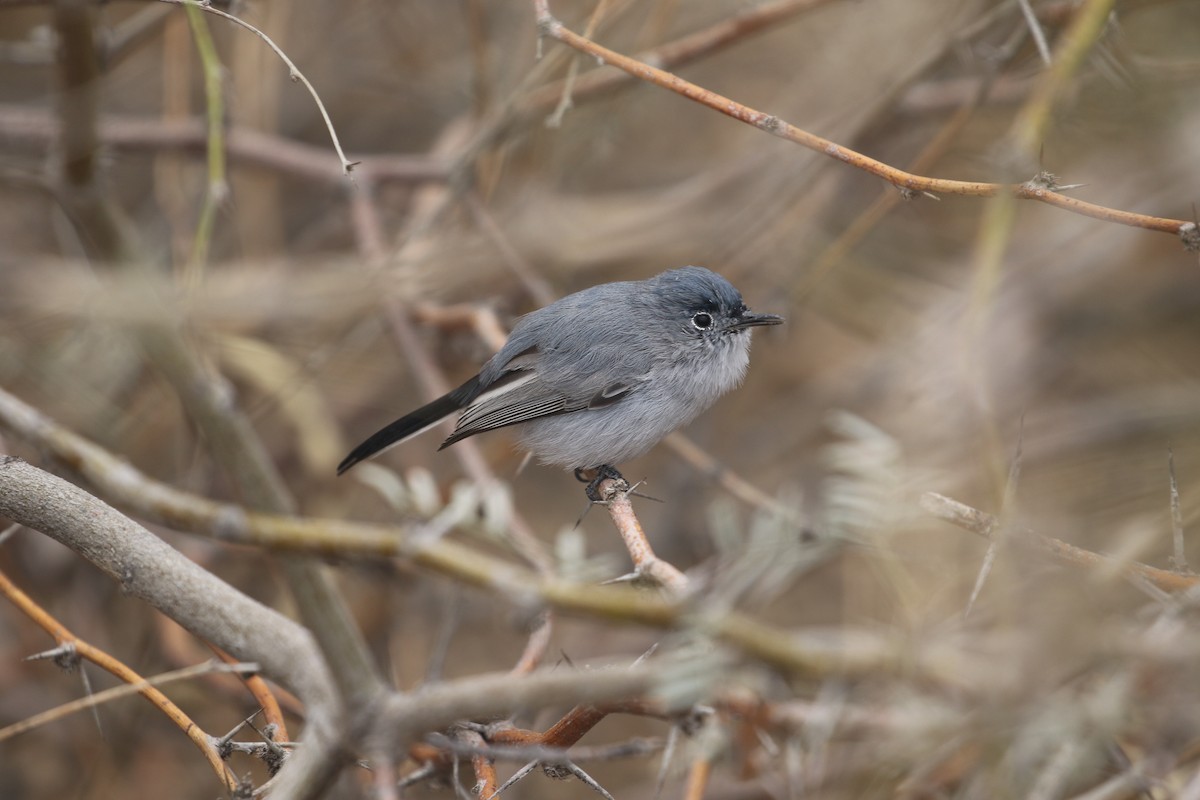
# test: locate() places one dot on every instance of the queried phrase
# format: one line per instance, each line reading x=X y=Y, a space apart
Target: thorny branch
x=548 y=25
x=100 y=658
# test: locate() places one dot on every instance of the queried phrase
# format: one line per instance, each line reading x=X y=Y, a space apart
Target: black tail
x=412 y=423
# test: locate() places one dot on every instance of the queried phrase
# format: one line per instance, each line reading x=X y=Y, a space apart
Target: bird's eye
x=702 y=320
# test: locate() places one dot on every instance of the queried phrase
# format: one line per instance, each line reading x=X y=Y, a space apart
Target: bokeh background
x=903 y=367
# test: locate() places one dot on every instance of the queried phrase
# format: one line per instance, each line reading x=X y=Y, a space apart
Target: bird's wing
x=522 y=395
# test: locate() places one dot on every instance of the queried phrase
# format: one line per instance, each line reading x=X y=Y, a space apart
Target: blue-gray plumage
x=600 y=376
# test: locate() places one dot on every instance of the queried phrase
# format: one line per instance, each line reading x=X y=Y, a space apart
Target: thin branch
x=685 y=50
x=697 y=780
x=1035 y=30
x=1029 y=190
x=464 y=746
x=140 y=686
x=83 y=649
x=985 y=525
x=1007 y=515
x=262 y=694
x=243 y=145
x=1082 y=33
x=294 y=73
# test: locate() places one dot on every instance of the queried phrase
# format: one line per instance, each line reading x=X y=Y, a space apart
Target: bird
x=600 y=376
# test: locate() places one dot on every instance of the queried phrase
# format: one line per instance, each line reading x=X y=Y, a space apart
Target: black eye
x=702 y=320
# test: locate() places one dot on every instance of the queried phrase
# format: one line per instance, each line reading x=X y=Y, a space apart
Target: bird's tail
x=411 y=424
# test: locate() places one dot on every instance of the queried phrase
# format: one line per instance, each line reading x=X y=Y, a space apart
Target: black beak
x=749 y=319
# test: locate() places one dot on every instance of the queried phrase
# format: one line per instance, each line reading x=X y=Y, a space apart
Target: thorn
x=628 y=577
x=417 y=775
x=87 y=690
x=222 y=744
x=632 y=491
x=65 y=656
x=459 y=791
x=518 y=775
x=586 y=779
x=645 y=655
x=668 y=753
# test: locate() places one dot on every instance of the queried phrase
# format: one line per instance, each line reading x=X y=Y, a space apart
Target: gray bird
x=600 y=376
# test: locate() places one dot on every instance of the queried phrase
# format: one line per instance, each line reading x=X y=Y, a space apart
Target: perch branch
x=616 y=492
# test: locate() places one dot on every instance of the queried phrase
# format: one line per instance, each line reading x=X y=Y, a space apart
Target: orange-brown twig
x=697 y=779
x=1029 y=190
x=262 y=693
x=483 y=765
x=63 y=636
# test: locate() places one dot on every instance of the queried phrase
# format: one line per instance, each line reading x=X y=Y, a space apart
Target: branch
x=123 y=484
x=144 y=686
x=114 y=666
x=403 y=718
x=293 y=72
x=148 y=568
x=132 y=133
x=1029 y=190
x=616 y=491
x=985 y=525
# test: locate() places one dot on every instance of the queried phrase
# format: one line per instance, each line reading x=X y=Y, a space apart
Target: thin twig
x=130 y=133
x=697 y=780
x=116 y=692
x=983 y=524
x=1035 y=30
x=1007 y=515
x=293 y=72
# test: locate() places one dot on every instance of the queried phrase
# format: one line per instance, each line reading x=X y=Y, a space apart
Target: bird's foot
x=595 y=476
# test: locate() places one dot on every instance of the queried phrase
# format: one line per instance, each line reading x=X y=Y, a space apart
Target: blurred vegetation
x=901 y=368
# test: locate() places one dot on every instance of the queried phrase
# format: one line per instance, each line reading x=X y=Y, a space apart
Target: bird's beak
x=751 y=320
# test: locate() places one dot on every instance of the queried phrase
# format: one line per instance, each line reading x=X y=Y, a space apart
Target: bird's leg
x=601 y=474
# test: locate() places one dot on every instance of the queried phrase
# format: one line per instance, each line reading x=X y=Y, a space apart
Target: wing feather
x=520 y=399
